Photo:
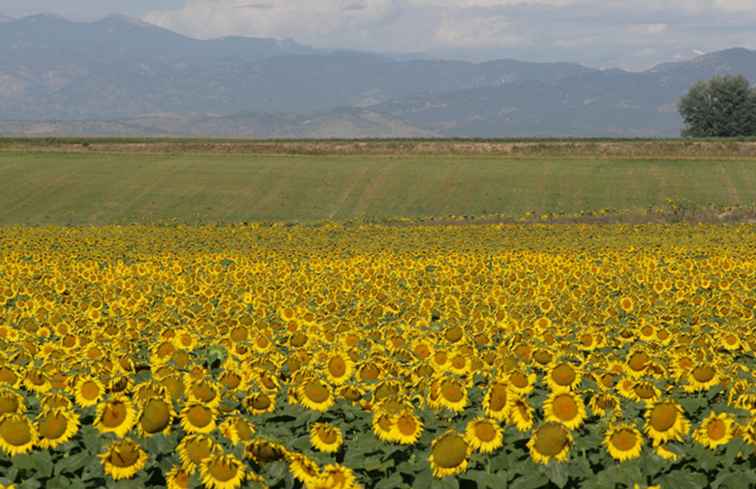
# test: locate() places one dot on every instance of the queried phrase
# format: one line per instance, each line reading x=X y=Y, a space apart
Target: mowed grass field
x=80 y=187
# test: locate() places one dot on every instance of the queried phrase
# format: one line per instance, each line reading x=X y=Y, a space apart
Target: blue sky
x=632 y=34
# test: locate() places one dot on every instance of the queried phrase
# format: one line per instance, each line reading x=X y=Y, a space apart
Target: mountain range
x=122 y=76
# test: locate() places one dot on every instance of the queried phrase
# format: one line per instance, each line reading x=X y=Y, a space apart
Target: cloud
x=600 y=32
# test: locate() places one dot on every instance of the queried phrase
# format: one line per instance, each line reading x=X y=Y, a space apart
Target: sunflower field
x=403 y=356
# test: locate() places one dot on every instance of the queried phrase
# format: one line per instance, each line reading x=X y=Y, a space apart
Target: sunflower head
x=326 y=437
x=449 y=454
x=551 y=441
x=624 y=442
x=484 y=435
x=122 y=459
x=17 y=434
x=222 y=472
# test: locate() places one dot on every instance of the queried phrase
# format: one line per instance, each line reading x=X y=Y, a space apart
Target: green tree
x=724 y=106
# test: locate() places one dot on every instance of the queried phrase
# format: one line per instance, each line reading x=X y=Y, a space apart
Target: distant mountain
x=606 y=103
x=119 y=67
x=108 y=77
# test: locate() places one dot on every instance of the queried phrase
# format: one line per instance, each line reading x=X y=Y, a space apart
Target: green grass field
x=73 y=188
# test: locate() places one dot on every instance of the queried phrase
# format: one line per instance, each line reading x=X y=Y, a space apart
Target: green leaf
x=72 y=463
x=682 y=479
x=390 y=483
x=735 y=480
x=40 y=463
x=485 y=480
x=423 y=480
x=531 y=480
x=557 y=473
x=445 y=483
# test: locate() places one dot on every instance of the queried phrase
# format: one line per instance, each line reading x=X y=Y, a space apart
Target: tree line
x=724 y=106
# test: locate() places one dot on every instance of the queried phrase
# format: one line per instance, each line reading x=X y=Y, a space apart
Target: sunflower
x=701 y=378
x=88 y=391
x=156 y=417
x=624 y=442
x=521 y=383
x=177 y=478
x=637 y=361
x=665 y=453
x=315 y=395
x=303 y=468
x=603 y=402
x=204 y=392
x=449 y=454
x=122 y=459
x=644 y=392
x=551 y=441
x=11 y=402
x=496 y=401
x=520 y=413
x=335 y=476
x=56 y=426
x=406 y=428
x=17 y=434
x=222 y=472
x=627 y=304
x=263 y=451
x=115 y=416
x=383 y=427
x=326 y=437
x=563 y=377
x=715 y=430
x=237 y=429
x=665 y=421
x=484 y=435
x=260 y=403
x=566 y=408
x=339 y=368
x=453 y=395
x=193 y=449
x=197 y=418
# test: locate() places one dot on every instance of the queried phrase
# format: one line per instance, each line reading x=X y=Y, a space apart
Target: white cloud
x=600 y=32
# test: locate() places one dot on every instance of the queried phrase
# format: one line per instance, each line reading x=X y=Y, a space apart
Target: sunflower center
x=454 y=334
x=238 y=334
x=124 y=455
x=663 y=417
x=89 y=390
x=565 y=407
x=638 y=361
x=298 y=339
x=204 y=392
x=551 y=439
x=406 y=425
x=644 y=391
x=369 y=372
x=52 y=427
x=243 y=430
x=316 y=392
x=450 y=451
x=624 y=439
x=222 y=470
x=542 y=356
x=7 y=375
x=498 y=398
x=564 y=374
x=452 y=392
x=337 y=366
x=114 y=414
x=261 y=402
x=156 y=416
x=703 y=374
x=199 y=416
x=15 y=432
x=198 y=450
x=328 y=435
x=8 y=405
x=716 y=429
x=519 y=380
x=647 y=330
x=485 y=431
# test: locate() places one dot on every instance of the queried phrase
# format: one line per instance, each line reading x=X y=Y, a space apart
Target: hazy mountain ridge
x=107 y=77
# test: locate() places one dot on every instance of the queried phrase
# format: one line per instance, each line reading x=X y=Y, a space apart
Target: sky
x=630 y=34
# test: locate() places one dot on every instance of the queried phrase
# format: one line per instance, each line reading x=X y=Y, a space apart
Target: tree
x=724 y=106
